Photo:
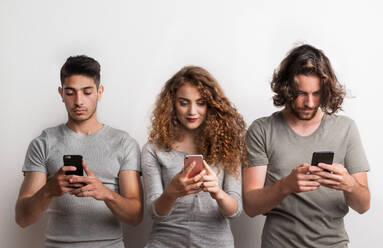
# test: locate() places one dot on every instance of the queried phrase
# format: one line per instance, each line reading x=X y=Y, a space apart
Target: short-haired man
x=84 y=211
x=305 y=204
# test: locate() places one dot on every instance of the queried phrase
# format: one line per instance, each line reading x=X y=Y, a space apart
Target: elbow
x=249 y=210
x=21 y=222
x=136 y=218
x=136 y=221
x=363 y=210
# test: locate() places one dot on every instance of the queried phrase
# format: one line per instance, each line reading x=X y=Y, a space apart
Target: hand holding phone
x=198 y=164
x=74 y=160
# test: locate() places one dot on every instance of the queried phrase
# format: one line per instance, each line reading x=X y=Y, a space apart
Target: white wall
x=140 y=44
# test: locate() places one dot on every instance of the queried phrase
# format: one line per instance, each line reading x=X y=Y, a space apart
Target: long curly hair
x=220 y=137
x=307 y=60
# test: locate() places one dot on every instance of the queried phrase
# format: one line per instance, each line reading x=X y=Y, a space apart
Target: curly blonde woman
x=193 y=116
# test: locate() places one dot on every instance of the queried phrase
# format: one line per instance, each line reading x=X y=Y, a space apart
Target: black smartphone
x=322 y=157
x=74 y=160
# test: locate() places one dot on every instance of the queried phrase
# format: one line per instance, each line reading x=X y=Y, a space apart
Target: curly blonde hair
x=221 y=135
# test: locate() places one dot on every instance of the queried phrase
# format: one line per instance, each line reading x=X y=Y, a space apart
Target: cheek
x=180 y=111
x=202 y=111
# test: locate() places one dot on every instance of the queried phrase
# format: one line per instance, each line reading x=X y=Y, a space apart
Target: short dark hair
x=307 y=60
x=80 y=65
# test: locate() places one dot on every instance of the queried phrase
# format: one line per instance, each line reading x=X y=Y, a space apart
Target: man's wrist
x=283 y=187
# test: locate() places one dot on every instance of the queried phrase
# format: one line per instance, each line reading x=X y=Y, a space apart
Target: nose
x=309 y=101
x=193 y=109
x=78 y=99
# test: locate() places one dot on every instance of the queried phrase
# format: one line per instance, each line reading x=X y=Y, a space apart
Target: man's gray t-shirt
x=309 y=219
x=83 y=221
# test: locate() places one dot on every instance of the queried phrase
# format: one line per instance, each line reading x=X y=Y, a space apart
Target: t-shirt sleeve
x=232 y=185
x=355 y=160
x=132 y=155
x=152 y=179
x=37 y=154
x=256 y=145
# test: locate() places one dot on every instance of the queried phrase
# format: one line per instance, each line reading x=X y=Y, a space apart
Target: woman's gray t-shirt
x=195 y=220
x=309 y=219
x=83 y=221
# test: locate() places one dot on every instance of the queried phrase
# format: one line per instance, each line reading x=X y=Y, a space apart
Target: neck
x=84 y=127
x=187 y=144
x=303 y=127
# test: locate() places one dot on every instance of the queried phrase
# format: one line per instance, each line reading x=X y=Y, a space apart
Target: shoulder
x=47 y=134
x=120 y=134
x=264 y=123
x=340 y=121
x=151 y=148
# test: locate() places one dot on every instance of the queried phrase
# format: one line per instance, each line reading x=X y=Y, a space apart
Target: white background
x=140 y=44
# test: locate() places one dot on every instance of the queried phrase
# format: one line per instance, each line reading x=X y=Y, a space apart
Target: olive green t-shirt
x=309 y=219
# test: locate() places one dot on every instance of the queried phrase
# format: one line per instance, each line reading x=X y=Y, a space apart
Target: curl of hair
x=220 y=137
x=309 y=61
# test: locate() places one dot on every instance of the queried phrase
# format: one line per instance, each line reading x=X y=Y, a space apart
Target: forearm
x=128 y=210
x=163 y=204
x=262 y=200
x=227 y=204
x=358 y=198
x=30 y=209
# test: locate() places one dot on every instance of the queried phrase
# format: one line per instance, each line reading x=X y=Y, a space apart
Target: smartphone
x=322 y=157
x=74 y=160
x=189 y=159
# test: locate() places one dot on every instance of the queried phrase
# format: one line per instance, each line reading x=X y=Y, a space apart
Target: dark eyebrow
x=85 y=88
x=183 y=99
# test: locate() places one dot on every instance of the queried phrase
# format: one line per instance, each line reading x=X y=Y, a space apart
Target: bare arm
x=354 y=186
x=258 y=199
x=36 y=194
x=126 y=206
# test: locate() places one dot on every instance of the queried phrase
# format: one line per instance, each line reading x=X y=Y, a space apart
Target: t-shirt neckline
x=78 y=135
x=318 y=130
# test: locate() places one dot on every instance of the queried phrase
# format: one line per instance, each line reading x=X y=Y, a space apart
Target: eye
x=301 y=93
x=201 y=103
x=87 y=93
x=68 y=93
x=183 y=103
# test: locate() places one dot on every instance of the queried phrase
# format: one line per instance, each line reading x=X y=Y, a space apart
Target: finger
x=193 y=186
x=308 y=177
x=304 y=169
x=86 y=169
x=85 y=194
x=308 y=183
x=66 y=168
x=208 y=178
x=188 y=169
x=210 y=184
x=314 y=169
x=305 y=189
x=82 y=189
x=199 y=176
x=332 y=176
x=328 y=182
x=209 y=170
x=78 y=179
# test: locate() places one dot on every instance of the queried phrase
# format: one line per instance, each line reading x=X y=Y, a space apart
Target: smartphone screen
x=74 y=160
x=189 y=159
